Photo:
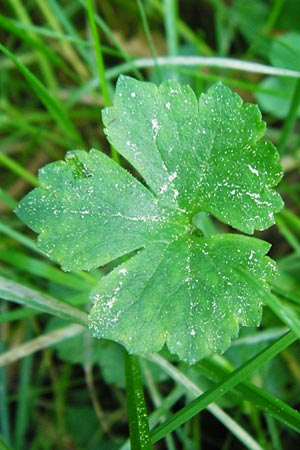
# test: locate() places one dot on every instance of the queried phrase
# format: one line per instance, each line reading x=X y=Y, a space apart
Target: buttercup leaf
x=177 y=285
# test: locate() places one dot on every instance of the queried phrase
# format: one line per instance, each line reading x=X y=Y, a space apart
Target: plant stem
x=137 y=414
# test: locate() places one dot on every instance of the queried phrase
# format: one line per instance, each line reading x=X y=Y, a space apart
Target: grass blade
x=17 y=314
x=259 y=397
x=54 y=108
x=232 y=425
x=170 y=19
x=284 y=312
x=149 y=38
x=21 y=29
x=4 y=403
x=206 y=61
x=15 y=292
x=228 y=383
x=98 y=52
x=66 y=49
x=111 y=37
x=16 y=168
x=46 y=68
x=44 y=269
x=23 y=403
x=100 y=64
x=3 y=445
x=40 y=343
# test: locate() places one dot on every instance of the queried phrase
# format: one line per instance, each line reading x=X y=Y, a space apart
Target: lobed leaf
x=89 y=211
x=189 y=295
x=177 y=285
x=201 y=156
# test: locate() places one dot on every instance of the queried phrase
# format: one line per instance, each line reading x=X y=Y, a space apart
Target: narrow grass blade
x=4 y=401
x=66 y=49
x=23 y=403
x=160 y=412
x=229 y=382
x=46 y=68
x=15 y=292
x=182 y=380
x=7 y=199
x=207 y=61
x=100 y=63
x=149 y=38
x=288 y=316
x=73 y=34
x=40 y=343
x=20 y=29
x=17 y=314
x=287 y=233
x=170 y=19
x=274 y=433
x=112 y=38
x=291 y=219
x=54 y=108
x=283 y=293
x=157 y=399
x=98 y=52
x=259 y=397
x=137 y=413
x=3 y=445
x=284 y=312
x=87 y=278
x=44 y=270
x=17 y=169
x=19 y=237
x=186 y=32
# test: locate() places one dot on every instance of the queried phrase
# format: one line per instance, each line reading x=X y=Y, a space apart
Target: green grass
x=58 y=388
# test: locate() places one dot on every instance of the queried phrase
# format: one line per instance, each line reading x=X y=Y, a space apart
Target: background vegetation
x=59 y=60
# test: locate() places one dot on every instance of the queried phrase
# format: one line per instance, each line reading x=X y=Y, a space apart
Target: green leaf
x=177 y=284
x=276 y=97
x=86 y=212
x=285 y=51
x=188 y=295
x=198 y=157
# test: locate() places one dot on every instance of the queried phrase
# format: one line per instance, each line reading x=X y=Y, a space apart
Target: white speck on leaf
x=172 y=177
x=111 y=302
x=253 y=170
x=155 y=127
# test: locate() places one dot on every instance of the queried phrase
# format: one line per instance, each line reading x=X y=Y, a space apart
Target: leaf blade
x=85 y=200
x=177 y=286
x=211 y=300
